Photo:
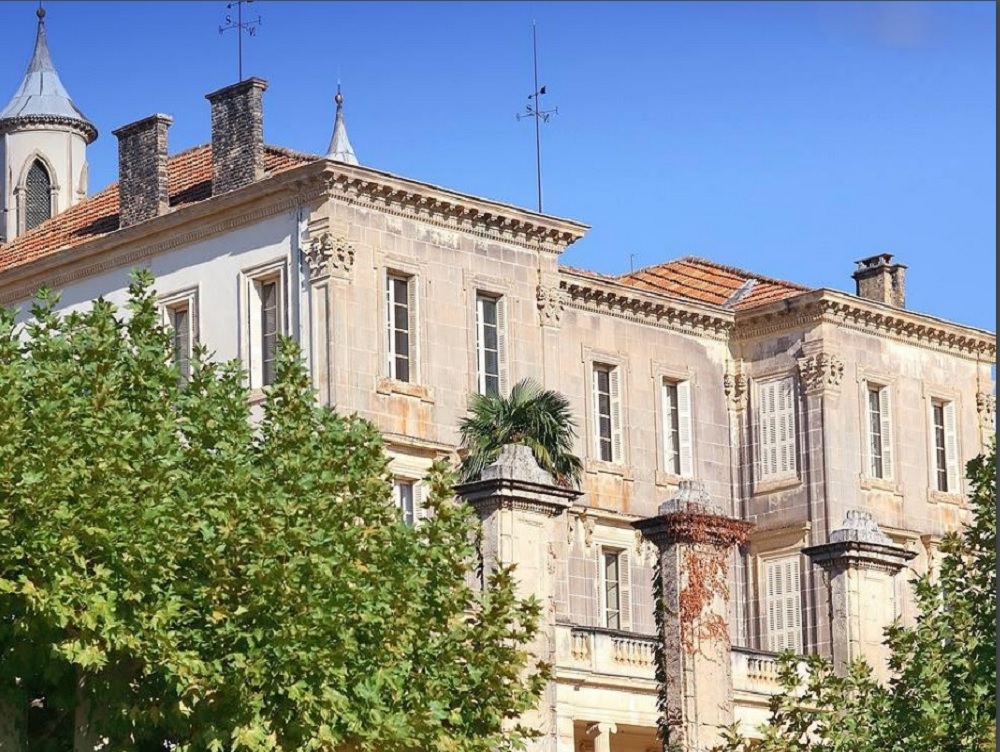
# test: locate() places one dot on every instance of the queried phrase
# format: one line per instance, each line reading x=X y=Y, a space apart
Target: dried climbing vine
x=708 y=539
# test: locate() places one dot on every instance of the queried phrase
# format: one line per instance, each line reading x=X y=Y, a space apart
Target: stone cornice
x=48 y=122
x=180 y=227
x=880 y=320
x=364 y=186
x=610 y=298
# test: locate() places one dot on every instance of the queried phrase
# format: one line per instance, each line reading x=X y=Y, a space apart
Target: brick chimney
x=142 y=169
x=237 y=135
x=878 y=279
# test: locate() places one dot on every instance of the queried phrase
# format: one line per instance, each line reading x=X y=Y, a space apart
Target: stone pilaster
x=861 y=563
x=694 y=538
x=523 y=515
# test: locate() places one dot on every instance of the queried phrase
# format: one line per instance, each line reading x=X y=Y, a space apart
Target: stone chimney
x=880 y=280
x=237 y=135
x=142 y=169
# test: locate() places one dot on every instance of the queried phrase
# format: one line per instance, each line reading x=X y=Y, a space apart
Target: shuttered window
x=180 y=322
x=607 y=413
x=491 y=343
x=408 y=495
x=775 y=421
x=37 y=196
x=401 y=308
x=677 y=428
x=782 y=602
x=268 y=330
x=946 y=464
x=880 y=459
x=266 y=323
x=616 y=588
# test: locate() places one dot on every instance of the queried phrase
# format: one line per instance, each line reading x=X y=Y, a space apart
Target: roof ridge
x=740 y=272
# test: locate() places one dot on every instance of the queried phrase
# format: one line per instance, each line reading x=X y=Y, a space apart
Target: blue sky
x=790 y=138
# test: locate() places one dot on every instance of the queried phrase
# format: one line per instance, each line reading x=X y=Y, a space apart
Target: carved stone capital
x=986 y=405
x=821 y=372
x=550 y=304
x=735 y=387
x=329 y=254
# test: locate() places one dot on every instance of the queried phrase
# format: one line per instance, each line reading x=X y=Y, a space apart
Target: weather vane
x=534 y=110
x=249 y=26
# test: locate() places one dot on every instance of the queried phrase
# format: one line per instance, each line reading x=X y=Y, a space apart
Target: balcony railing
x=755 y=671
x=607 y=651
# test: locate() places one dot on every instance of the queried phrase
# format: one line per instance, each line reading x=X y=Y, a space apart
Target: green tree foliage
x=172 y=570
x=539 y=418
x=943 y=687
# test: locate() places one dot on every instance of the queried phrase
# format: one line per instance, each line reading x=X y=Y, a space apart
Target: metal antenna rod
x=538 y=107
x=250 y=27
x=535 y=111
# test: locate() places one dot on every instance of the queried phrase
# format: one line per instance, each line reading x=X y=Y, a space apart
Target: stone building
x=836 y=423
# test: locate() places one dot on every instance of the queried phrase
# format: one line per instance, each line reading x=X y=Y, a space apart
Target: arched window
x=37 y=196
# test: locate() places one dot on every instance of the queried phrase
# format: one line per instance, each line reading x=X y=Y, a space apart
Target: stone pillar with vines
x=694 y=537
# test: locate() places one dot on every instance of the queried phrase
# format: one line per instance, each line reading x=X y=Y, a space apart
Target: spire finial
x=340 y=145
x=40 y=12
x=339 y=99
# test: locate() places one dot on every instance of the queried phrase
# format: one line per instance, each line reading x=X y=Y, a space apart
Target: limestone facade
x=792 y=415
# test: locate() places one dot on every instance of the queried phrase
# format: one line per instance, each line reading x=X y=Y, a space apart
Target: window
x=775 y=419
x=946 y=476
x=37 y=195
x=677 y=444
x=180 y=322
x=401 y=306
x=615 y=588
x=265 y=324
x=782 y=604
x=879 y=432
x=607 y=413
x=491 y=346
x=408 y=497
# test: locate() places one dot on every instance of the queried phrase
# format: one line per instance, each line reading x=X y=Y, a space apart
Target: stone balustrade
x=607 y=651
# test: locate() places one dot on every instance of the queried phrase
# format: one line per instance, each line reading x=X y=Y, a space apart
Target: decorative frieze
x=550 y=305
x=821 y=372
x=329 y=254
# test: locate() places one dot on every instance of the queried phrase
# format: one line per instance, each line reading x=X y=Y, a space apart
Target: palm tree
x=536 y=417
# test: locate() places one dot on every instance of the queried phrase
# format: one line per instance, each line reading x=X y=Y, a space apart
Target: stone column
x=601 y=734
x=694 y=538
x=523 y=520
x=861 y=563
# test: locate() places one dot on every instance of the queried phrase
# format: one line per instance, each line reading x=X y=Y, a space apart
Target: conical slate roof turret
x=340 y=145
x=41 y=97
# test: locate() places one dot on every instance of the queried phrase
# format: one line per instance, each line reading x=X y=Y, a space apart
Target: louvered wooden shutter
x=784 y=612
x=614 y=381
x=885 y=415
x=786 y=427
x=684 y=424
x=502 y=344
x=413 y=339
x=767 y=439
x=420 y=511
x=951 y=448
x=625 y=590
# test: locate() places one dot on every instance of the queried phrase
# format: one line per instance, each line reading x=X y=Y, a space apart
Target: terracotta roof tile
x=189 y=179
x=708 y=282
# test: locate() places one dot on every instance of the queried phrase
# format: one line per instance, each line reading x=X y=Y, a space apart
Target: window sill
x=784 y=483
x=390 y=386
x=868 y=483
x=608 y=468
x=670 y=479
x=945 y=497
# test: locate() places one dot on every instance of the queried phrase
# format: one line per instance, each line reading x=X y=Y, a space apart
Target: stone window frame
x=622 y=541
x=475 y=285
x=276 y=269
x=21 y=189
x=185 y=298
x=931 y=393
x=866 y=379
x=415 y=270
x=659 y=373
x=779 y=482
x=408 y=468
x=766 y=546
x=592 y=357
